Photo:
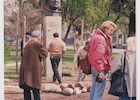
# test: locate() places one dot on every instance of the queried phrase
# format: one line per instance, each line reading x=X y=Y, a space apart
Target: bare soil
x=13 y=92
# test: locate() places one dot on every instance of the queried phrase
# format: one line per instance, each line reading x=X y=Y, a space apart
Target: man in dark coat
x=31 y=68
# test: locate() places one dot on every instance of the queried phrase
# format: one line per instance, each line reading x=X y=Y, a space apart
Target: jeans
x=55 y=60
x=81 y=75
x=27 y=93
x=97 y=88
x=125 y=97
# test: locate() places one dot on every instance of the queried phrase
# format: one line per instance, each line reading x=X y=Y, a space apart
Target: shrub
x=6 y=52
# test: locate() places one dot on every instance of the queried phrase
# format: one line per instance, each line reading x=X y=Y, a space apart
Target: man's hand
x=74 y=51
x=48 y=50
x=74 y=67
x=101 y=75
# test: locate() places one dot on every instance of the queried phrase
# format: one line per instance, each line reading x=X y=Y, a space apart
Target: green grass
x=67 y=64
x=67 y=60
x=12 y=58
x=10 y=71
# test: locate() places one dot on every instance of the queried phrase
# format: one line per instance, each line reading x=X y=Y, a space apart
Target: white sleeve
x=116 y=63
x=64 y=49
x=48 y=45
x=77 y=55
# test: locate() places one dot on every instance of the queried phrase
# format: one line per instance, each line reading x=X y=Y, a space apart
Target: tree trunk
x=68 y=30
x=17 y=41
x=94 y=26
x=117 y=18
x=82 y=29
x=24 y=31
x=132 y=23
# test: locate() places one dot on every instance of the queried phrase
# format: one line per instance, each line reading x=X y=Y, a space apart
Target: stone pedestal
x=51 y=24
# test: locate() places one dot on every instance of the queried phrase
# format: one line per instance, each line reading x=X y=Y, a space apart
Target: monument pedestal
x=51 y=24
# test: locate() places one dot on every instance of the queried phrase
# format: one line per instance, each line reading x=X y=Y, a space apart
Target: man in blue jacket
x=27 y=38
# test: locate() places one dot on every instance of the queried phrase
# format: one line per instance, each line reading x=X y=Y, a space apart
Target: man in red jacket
x=99 y=56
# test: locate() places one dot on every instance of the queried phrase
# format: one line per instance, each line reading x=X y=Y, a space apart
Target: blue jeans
x=97 y=88
x=125 y=97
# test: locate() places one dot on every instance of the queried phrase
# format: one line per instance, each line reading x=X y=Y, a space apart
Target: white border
x=137 y=2
x=1 y=50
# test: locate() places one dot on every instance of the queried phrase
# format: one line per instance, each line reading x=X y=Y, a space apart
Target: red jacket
x=99 y=54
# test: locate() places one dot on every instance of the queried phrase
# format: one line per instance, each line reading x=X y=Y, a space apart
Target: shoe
x=59 y=82
x=54 y=80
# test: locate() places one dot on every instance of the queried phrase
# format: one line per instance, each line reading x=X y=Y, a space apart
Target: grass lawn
x=10 y=67
x=67 y=64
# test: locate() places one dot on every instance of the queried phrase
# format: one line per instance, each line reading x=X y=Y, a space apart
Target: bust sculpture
x=51 y=7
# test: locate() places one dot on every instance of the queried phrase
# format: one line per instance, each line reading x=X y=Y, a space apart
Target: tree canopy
x=93 y=12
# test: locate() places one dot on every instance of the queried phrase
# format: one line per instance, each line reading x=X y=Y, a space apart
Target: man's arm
x=75 y=46
x=64 y=49
x=48 y=46
x=76 y=57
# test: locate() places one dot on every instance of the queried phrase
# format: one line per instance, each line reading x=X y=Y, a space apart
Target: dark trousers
x=55 y=60
x=27 y=93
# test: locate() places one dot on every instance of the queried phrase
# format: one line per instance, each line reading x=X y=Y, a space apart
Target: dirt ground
x=13 y=92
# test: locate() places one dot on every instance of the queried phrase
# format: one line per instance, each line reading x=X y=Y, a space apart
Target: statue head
x=54 y=4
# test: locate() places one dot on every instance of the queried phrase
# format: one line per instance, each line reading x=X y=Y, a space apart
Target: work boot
x=59 y=81
x=54 y=80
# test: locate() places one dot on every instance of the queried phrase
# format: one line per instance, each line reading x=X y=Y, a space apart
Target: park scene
x=72 y=24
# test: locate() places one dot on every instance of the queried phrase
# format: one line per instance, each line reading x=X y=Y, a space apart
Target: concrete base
x=51 y=24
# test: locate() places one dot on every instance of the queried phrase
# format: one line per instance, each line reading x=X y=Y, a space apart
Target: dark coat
x=130 y=70
x=31 y=68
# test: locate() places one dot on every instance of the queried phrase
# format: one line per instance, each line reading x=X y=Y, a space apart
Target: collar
x=108 y=39
x=35 y=39
x=98 y=31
